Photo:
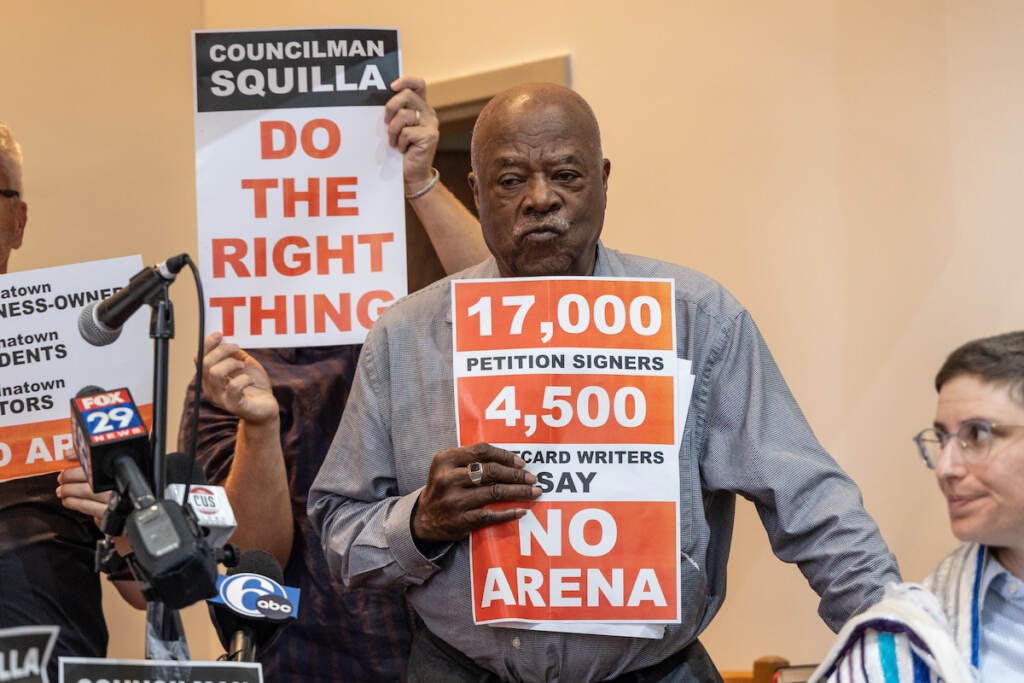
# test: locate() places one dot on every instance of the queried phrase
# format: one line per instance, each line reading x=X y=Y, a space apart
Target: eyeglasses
x=974 y=437
x=10 y=193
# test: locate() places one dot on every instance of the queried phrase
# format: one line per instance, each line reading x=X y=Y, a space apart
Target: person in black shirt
x=46 y=551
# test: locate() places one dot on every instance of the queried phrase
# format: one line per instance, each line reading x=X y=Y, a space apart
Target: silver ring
x=476 y=473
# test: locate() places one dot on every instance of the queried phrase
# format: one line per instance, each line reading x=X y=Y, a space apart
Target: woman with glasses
x=971 y=609
x=976 y=448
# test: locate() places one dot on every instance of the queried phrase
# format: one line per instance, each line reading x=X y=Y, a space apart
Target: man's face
x=540 y=186
x=985 y=499
x=13 y=215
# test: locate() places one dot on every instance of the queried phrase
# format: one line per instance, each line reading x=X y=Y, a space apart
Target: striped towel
x=956 y=582
x=903 y=638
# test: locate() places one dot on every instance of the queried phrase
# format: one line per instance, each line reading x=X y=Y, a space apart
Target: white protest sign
x=44 y=361
x=301 y=214
x=579 y=376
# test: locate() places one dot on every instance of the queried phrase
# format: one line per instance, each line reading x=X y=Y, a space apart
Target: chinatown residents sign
x=44 y=361
x=301 y=215
x=579 y=376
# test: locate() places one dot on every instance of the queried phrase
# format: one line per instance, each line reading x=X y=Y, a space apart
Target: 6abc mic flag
x=252 y=607
x=257 y=596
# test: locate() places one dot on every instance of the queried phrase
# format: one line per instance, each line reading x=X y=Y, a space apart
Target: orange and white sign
x=301 y=215
x=44 y=361
x=580 y=377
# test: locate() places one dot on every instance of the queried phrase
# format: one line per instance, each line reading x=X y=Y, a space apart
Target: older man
x=395 y=501
x=13 y=208
x=46 y=551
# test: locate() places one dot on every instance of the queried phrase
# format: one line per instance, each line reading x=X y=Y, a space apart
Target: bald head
x=511 y=107
x=13 y=209
x=539 y=181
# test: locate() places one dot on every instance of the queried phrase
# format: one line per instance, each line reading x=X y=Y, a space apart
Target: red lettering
x=259 y=187
x=344 y=253
x=229 y=250
x=335 y=196
x=292 y=196
x=300 y=314
x=260 y=256
x=330 y=313
x=227 y=306
x=340 y=316
x=299 y=264
x=333 y=138
x=293 y=255
x=377 y=242
x=371 y=305
x=277 y=313
x=267 y=130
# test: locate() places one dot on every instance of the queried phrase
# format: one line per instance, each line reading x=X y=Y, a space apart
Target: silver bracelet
x=426 y=188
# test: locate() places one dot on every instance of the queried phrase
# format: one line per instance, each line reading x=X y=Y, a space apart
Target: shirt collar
x=999 y=579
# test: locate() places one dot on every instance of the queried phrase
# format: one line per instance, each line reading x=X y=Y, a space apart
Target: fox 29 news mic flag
x=300 y=197
x=106 y=427
x=44 y=360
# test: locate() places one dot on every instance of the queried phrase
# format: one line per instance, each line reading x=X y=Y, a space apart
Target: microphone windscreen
x=92 y=330
x=90 y=390
x=181 y=469
x=258 y=562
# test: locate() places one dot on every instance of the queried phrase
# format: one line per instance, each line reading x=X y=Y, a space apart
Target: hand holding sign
x=451 y=505
x=76 y=494
x=412 y=128
x=235 y=381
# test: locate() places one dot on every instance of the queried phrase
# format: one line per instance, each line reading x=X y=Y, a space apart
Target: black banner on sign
x=291 y=68
x=24 y=652
x=85 y=670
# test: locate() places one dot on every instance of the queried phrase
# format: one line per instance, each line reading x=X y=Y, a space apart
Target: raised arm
x=256 y=484
x=413 y=129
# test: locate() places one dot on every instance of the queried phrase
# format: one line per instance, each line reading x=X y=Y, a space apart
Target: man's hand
x=76 y=494
x=451 y=505
x=236 y=382
x=412 y=128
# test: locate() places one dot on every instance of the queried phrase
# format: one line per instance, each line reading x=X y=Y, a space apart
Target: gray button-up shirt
x=744 y=434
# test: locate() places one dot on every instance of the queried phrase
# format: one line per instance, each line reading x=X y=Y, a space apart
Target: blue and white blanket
x=916 y=633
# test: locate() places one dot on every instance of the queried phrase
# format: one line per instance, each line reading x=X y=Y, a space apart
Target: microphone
x=100 y=322
x=252 y=607
x=181 y=469
x=110 y=440
x=170 y=556
x=210 y=503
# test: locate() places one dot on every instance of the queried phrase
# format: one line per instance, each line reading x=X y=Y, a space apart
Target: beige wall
x=846 y=168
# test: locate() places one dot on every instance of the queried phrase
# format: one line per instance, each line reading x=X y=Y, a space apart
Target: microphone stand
x=161 y=331
x=165 y=634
